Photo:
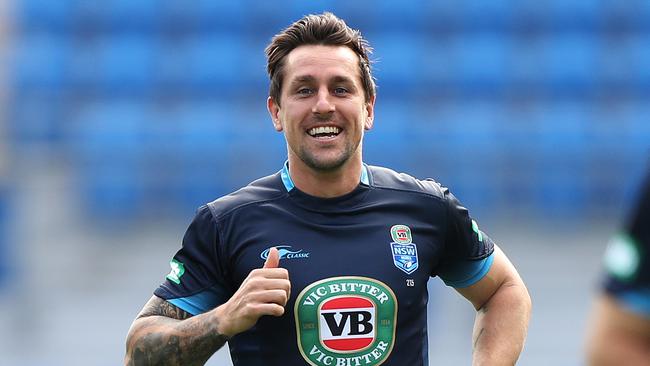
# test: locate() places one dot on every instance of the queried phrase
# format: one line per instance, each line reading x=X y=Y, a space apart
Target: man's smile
x=324 y=132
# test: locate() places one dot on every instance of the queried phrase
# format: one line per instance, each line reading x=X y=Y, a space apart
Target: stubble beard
x=313 y=161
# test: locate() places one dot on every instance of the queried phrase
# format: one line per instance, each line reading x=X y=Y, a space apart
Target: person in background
x=326 y=262
x=620 y=323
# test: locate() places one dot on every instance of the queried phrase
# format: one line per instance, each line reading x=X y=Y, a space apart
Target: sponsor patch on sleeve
x=178 y=269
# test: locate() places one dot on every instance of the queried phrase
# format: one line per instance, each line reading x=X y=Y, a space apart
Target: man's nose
x=324 y=103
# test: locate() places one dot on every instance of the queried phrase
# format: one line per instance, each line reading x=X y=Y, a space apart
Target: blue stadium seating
x=35 y=119
x=483 y=60
x=397 y=59
x=43 y=14
x=40 y=61
x=571 y=60
x=537 y=105
x=141 y=14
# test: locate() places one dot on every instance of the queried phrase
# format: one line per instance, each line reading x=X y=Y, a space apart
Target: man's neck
x=325 y=184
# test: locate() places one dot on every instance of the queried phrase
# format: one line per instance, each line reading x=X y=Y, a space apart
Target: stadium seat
x=641 y=57
x=43 y=15
x=126 y=62
x=29 y=70
x=486 y=14
x=584 y=13
x=570 y=61
x=213 y=59
x=34 y=119
x=140 y=15
x=483 y=61
x=397 y=61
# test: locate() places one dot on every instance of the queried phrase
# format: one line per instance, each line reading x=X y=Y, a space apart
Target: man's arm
x=503 y=309
x=163 y=334
x=618 y=336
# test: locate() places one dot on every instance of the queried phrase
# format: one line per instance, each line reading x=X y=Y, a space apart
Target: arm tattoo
x=477 y=337
x=479 y=333
x=163 y=334
x=158 y=306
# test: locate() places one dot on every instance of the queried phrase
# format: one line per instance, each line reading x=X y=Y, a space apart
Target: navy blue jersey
x=358 y=266
x=627 y=258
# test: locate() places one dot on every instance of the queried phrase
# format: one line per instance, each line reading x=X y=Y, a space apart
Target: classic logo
x=346 y=321
x=285 y=252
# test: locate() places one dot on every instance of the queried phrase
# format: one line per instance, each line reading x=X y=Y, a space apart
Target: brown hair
x=321 y=29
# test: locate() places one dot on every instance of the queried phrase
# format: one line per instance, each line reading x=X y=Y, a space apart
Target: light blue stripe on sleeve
x=201 y=302
x=468 y=273
x=637 y=301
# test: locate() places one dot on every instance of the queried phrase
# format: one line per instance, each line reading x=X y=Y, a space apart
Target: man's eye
x=340 y=90
x=304 y=91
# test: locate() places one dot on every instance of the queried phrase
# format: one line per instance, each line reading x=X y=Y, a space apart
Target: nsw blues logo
x=405 y=257
x=404 y=251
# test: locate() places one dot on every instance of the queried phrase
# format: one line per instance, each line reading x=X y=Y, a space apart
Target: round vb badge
x=405 y=253
x=346 y=321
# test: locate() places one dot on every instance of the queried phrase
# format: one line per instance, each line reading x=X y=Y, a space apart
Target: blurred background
x=119 y=118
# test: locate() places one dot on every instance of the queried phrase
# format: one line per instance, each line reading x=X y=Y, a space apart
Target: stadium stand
x=541 y=105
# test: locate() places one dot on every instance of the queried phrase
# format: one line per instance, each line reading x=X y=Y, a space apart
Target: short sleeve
x=468 y=251
x=627 y=259
x=196 y=282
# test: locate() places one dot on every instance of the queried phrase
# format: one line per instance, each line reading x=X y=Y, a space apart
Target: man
x=620 y=333
x=327 y=261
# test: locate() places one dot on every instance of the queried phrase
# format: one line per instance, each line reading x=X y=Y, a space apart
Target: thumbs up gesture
x=273 y=260
x=265 y=291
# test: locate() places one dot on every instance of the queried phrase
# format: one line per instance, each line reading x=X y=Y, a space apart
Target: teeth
x=324 y=130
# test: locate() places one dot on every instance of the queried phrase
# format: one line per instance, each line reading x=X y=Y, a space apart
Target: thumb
x=273 y=260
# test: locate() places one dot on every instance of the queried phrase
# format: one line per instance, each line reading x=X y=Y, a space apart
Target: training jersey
x=358 y=266
x=627 y=258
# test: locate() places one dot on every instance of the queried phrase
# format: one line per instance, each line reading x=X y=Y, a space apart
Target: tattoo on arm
x=479 y=332
x=164 y=334
x=477 y=337
x=158 y=306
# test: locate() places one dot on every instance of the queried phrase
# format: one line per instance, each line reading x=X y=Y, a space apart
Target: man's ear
x=370 y=111
x=274 y=111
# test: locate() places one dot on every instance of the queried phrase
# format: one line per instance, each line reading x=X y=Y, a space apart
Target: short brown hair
x=321 y=29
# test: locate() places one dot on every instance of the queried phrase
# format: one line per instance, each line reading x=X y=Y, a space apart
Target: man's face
x=323 y=112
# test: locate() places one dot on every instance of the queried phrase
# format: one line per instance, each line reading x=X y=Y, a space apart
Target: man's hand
x=264 y=292
x=163 y=334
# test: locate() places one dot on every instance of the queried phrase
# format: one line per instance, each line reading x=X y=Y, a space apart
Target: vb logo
x=347 y=323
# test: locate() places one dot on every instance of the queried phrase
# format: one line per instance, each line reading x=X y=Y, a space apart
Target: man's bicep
x=160 y=307
x=501 y=271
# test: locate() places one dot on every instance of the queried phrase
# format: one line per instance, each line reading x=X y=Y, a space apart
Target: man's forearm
x=170 y=338
x=501 y=326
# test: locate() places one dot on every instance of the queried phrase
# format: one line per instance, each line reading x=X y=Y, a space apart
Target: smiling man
x=327 y=261
x=323 y=113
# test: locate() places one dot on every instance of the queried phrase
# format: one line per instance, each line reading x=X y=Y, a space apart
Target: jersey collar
x=288 y=183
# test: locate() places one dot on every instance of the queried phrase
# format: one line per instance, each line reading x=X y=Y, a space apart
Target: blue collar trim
x=364 y=175
x=286 y=178
x=288 y=183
